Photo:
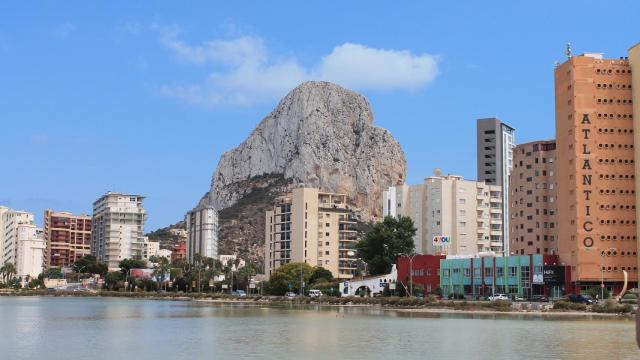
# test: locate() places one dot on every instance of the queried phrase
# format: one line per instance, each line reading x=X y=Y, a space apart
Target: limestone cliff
x=320 y=135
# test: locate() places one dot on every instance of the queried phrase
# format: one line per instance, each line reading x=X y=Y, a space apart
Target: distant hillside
x=169 y=236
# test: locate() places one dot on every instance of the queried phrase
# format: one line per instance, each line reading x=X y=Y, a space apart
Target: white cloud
x=362 y=67
x=243 y=72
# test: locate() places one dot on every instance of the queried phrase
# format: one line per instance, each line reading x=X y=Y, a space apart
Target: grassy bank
x=609 y=307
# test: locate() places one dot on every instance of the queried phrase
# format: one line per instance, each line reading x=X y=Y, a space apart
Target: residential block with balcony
x=314 y=227
x=118 y=228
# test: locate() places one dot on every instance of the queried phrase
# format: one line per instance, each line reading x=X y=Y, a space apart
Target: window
x=499 y=272
x=513 y=271
x=466 y=272
x=445 y=272
x=488 y=272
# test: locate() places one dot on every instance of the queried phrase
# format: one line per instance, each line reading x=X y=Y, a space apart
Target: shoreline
x=469 y=308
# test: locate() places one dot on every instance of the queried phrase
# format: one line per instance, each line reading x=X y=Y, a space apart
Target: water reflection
x=61 y=328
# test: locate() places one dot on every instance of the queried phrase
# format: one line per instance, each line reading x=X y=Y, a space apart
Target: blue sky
x=125 y=96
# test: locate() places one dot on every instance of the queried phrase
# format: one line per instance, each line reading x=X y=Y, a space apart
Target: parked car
x=315 y=293
x=495 y=297
x=240 y=293
x=539 y=298
x=290 y=295
x=582 y=299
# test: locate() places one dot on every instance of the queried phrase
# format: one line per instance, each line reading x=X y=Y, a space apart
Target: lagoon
x=115 y=328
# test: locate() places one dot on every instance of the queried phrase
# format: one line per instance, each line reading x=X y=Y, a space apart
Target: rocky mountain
x=320 y=135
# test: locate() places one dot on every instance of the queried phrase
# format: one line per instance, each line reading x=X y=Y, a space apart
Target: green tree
x=52 y=273
x=128 y=264
x=287 y=278
x=112 y=279
x=88 y=264
x=383 y=244
x=245 y=274
x=36 y=283
x=161 y=268
x=320 y=275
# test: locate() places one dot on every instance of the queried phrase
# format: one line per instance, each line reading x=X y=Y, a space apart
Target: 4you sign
x=441 y=240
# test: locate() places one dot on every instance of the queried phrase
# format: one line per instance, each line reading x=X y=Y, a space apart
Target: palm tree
x=161 y=268
x=7 y=271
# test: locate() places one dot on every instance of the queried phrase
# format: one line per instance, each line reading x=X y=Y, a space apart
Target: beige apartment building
x=68 y=238
x=532 y=199
x=467 y=213
x=117 y=231
x=314 y=227
x=596 y=170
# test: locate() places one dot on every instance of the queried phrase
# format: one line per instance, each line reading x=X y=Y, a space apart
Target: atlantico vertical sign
x=587 y=173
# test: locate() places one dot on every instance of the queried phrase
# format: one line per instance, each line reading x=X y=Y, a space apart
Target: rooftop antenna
x=567 y=50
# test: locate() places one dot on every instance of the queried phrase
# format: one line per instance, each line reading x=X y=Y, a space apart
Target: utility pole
x=301 y=281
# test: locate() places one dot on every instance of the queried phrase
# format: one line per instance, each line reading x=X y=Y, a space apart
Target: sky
x=144 y=97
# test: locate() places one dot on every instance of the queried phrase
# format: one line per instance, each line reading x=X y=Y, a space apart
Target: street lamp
x=79 y=269
x=602 y=254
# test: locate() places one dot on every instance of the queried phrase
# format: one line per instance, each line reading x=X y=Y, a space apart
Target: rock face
x=320 y=135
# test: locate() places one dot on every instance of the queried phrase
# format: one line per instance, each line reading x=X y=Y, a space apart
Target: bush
x=595 y=292
x=610 y=307
x=568 y=306
x=499 y=305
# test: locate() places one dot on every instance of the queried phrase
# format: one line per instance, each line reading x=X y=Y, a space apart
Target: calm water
x=94 y=328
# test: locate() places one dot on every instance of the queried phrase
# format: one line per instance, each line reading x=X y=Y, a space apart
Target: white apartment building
x=407 y=200
x=150 y=249
x=21 y=243
x=117 y=231
x=202 y=232
x=468 y=213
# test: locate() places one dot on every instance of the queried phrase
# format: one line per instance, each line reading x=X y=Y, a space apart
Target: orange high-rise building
x=595 y=171
x=68 y=238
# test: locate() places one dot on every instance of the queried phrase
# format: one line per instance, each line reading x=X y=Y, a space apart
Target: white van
x=315 y=293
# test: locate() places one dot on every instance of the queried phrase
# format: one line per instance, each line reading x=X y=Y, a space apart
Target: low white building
x=371 y=285
x=165 y=253
x=224 y=259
